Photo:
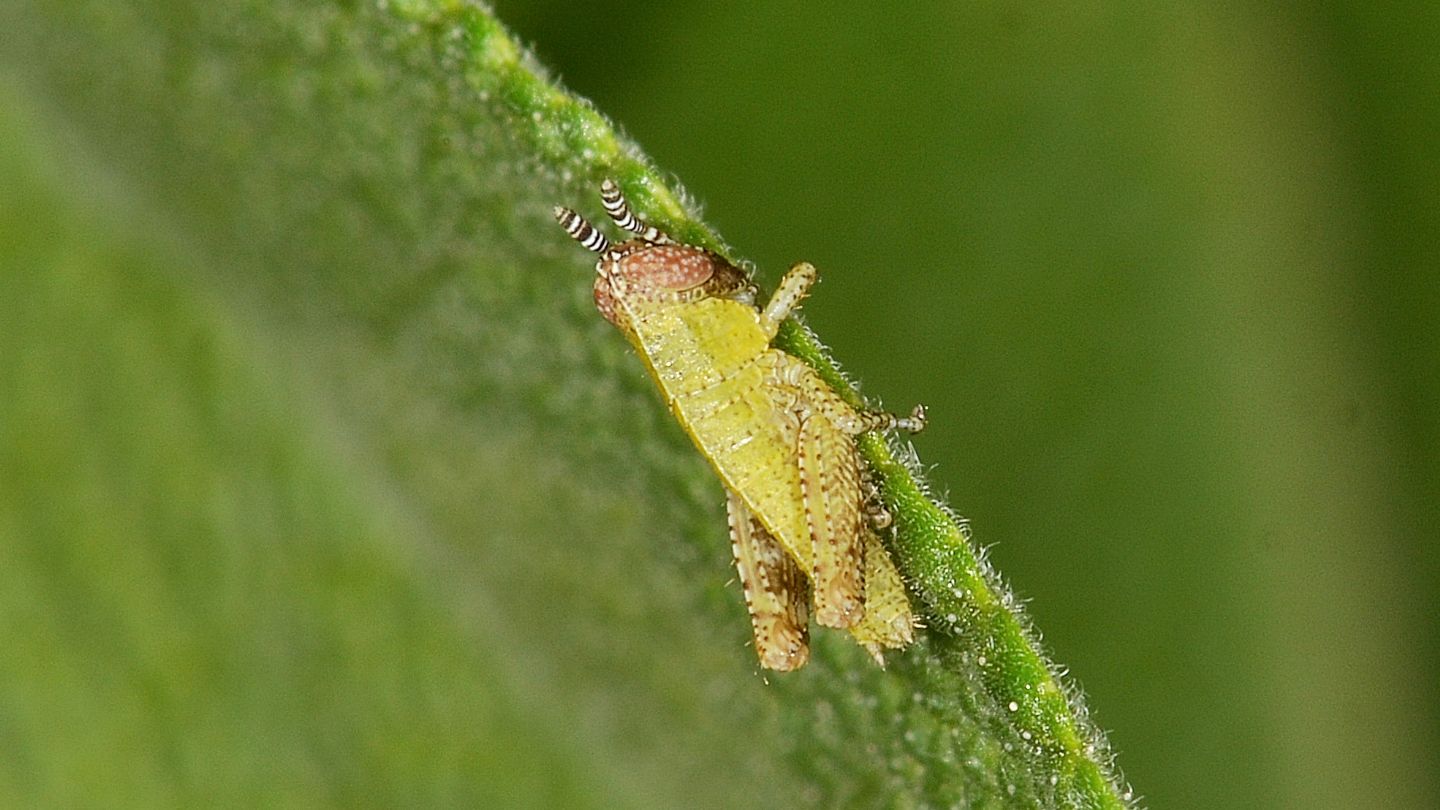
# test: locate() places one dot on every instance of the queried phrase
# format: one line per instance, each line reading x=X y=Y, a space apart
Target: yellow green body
x=717 y=371
x=781 y=440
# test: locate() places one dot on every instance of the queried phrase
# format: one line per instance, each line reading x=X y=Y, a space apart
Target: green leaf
x=324 y=484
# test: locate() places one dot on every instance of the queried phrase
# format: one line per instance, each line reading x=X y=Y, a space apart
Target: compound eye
x=605 y=300
x=670 y=267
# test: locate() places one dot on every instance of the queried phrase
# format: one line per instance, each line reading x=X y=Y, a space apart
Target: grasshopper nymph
x=781 y=439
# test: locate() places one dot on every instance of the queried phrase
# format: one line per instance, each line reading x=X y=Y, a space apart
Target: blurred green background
x=1166 y=278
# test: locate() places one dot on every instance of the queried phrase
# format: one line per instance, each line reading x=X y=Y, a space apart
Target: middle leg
x=794 y=373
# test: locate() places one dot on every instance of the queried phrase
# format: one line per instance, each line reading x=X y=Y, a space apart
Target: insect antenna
x=581 y=231
x=614 y=202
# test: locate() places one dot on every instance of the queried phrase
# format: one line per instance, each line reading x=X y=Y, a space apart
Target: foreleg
x=793 y=288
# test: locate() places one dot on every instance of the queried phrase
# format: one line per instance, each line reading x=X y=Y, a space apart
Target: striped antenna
x=614 y=202
x=581 y=231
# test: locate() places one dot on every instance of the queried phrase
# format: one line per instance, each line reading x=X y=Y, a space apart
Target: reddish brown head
x=652 y=267
x=638 y=270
